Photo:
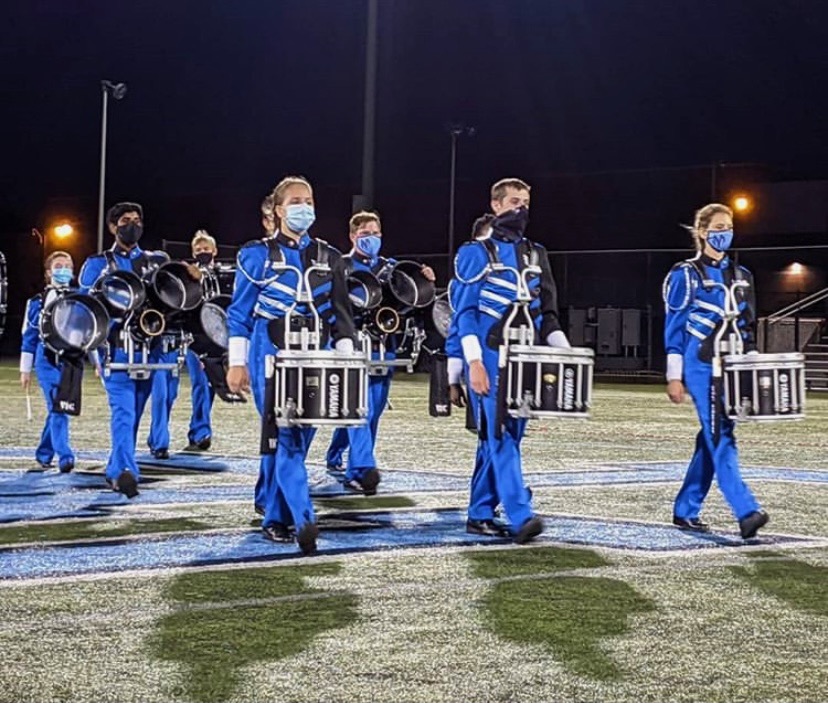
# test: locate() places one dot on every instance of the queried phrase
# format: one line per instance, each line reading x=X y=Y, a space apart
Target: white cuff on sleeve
x=26 y=362
x=752 y=352
x=455 y=370
x=558 y=339
x=471 y=348
x=675 y=367
x=237 y=349
x=345 y=345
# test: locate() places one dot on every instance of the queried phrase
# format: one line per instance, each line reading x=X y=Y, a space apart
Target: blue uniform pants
x=282 y=488
x=164 y=393
x=55 y=436
x=127 y=399
x=361 y=440
x=498 y=475
x=720 y=459
x=202 y=395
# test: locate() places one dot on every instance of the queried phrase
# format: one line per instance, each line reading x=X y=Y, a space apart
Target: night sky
x=227 y=96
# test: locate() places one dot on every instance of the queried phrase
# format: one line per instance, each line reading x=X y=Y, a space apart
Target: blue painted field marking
x=384 y=530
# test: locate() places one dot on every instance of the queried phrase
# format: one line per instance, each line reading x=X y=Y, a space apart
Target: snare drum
x=208 y=325
x=546 y=382
x=764 y=387
x=321 y=388
x=74 y=323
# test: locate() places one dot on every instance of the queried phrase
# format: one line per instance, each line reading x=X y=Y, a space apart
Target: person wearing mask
x=54 y=440
x=362 y=474
x=483 y=296
x=262 y=294
x=694 y=299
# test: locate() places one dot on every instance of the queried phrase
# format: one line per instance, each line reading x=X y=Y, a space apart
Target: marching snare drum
x=208 y=325
x=546 y=382
x=764 y=387
x=320 y=388
x=74 y=323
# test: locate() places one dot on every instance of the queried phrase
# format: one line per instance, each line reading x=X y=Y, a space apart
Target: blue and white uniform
x=362 y=440
x=127 y=396
x=33 y=354
x=483 y=296
x=163 y=395
x=262 y=295
x=693 y=315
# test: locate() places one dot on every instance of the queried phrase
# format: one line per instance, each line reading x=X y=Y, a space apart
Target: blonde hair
x=203 y=237
x=362 y=218
x=278 y=194
x=702 y=219
x=47 y=264
x=499 y=188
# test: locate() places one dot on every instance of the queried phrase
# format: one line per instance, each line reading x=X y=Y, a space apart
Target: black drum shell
x=171 y=287
x=50 y=326
x=334 y=380
x=408 y=288
x=124 y=283
x=364 y=290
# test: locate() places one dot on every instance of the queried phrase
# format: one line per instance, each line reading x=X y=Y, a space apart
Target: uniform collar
x=133 y=253
x=285 y=241
x=723 y=263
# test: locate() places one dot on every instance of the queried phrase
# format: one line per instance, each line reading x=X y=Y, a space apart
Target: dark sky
x=226 y=96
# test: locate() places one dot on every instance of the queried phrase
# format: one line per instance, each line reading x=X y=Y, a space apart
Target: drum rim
x=766 y=358
x=100 y=331
x=540 y=350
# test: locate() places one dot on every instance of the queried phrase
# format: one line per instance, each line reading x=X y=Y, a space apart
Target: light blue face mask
x=370 y=245
x=720 y=239
x=62 y=276
x=299 y=217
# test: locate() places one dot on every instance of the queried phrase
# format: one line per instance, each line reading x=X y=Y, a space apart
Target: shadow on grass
x=568 y=614
x=217 y=631
x=800 y=585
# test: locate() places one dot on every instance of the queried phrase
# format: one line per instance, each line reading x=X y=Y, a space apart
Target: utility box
x=609 y=331
x=631 y=328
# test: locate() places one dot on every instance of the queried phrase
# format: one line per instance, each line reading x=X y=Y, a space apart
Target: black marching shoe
x=125 y=483
x=201 y=446
x=306 y=537
x=277 y=532
x=367 y=485
x=160 y=453
x=749 y=526
x=66 y=468
x=487 y=528
x=44 y=464
x=529 y=530
x=692 y=524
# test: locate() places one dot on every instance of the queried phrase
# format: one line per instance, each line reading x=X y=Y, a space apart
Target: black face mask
x=204 y=258
x=511 y=224
x=130 y=233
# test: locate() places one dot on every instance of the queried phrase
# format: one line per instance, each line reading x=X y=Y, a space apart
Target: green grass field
x=492 y=623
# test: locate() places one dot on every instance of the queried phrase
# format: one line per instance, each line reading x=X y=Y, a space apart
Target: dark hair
x=480 y=224
x=114 y=213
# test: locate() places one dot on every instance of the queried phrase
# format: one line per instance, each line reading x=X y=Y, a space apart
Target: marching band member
x=33 y=354
x=483 y=298
x=362 y=475
x=262 y=296
x=202 y=394
x=127 y=396
x=694 y=312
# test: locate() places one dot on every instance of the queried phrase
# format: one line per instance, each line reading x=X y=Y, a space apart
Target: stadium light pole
x=117 y=91
x=366 y=199
x=455 y=131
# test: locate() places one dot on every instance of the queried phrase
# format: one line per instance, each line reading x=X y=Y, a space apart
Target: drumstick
x=28 y=406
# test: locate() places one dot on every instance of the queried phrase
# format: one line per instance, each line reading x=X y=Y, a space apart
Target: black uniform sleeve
x=747 y=312
x=549 y=296
x=344 y=327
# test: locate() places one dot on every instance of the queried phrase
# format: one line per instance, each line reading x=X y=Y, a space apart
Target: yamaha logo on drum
x=569 y=389
x=784 y=393
x=333 y=395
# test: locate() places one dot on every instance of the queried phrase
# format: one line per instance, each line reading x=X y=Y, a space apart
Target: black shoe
x=259 y=509
x=160 y=453
x=66 y=468
x=749 y=526
x=306 y=537
x=44 y=464
x=277 y=532
x=336 y=468
x=529 y=530
x=201 y=446
x=487 y=528
x=692 y=524
x=126 y=484
x=367 y=485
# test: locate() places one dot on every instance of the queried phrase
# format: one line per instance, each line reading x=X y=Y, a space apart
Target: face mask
x=512 y=223
x=299 y=217
x=370 y=245
x=62 y=276
x=720 y=240
x=204 y=258
x=130 y=233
